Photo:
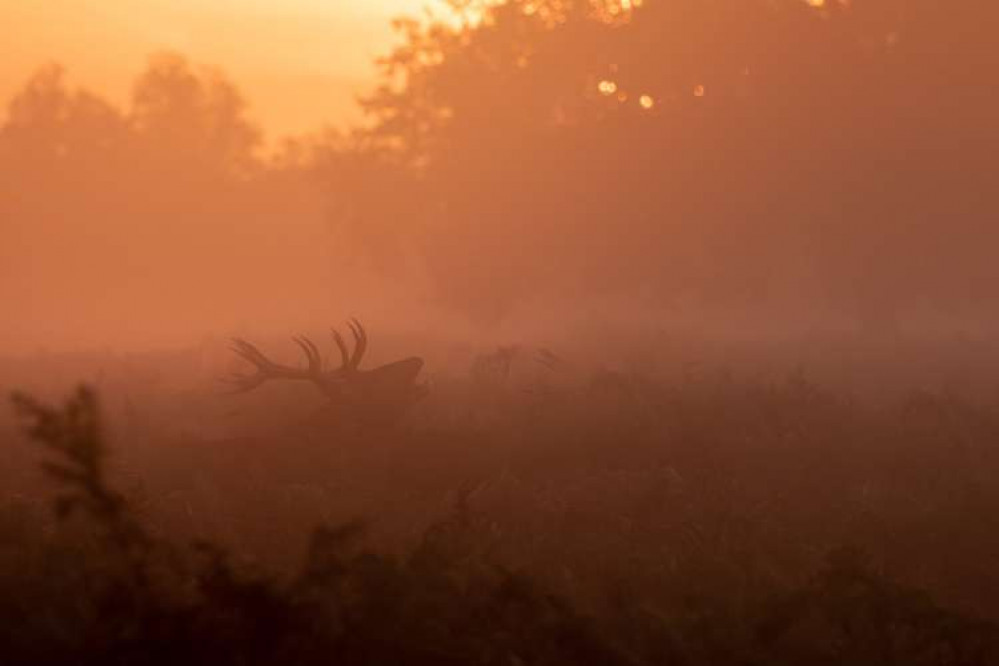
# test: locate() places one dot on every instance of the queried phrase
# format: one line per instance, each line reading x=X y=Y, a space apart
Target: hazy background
x=705 y=291
x=175 y=171
x=302 y=62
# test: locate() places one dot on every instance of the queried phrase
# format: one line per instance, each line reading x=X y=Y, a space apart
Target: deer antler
x=342 y=346
x=360 y=343
x=351 y=360
x=268 y=369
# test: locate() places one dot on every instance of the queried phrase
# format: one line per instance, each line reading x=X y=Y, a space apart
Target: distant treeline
x=769 y=155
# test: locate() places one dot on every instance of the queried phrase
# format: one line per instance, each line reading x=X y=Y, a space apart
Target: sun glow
x=301 y=62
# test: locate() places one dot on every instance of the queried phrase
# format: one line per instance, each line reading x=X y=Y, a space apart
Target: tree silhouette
x=732 y=152
x=762 y=155
x=193 y=115
x=105 y=206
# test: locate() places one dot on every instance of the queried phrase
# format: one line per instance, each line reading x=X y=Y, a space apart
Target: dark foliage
x=103 y=590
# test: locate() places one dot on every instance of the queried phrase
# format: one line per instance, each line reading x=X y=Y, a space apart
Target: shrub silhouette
x=127 y=597
x=150 y=604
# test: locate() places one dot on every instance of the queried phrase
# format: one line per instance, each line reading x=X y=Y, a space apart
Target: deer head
x=375 y=393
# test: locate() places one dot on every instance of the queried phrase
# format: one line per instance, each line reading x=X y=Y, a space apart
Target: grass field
x=680 y=512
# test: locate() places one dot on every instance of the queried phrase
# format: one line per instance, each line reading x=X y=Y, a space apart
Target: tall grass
x=625 y=522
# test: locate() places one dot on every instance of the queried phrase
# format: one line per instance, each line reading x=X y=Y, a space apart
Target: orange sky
x=300 y=62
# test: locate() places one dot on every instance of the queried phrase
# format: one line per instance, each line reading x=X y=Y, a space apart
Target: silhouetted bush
x=102 y=589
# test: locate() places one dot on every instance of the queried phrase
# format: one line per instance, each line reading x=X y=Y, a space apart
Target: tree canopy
x=741 y=152
x=789 y=156
x=166 y=206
